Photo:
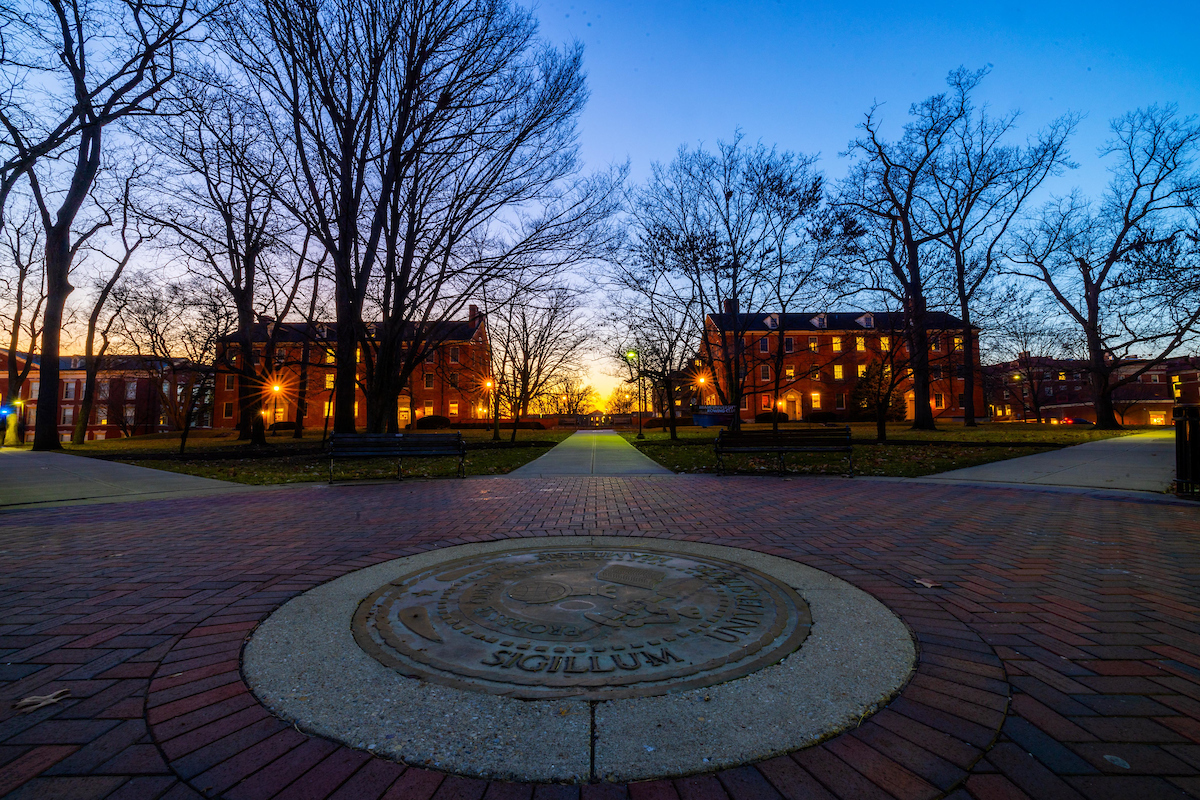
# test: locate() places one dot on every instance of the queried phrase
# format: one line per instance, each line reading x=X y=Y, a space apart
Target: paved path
x=1141 y=462
x=1059 y=649
x=29 y=479
x=591 y=453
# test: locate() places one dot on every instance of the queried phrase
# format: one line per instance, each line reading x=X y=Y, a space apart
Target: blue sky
x=800 y=75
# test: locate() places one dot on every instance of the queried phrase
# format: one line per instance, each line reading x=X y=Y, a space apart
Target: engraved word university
x=549 y=622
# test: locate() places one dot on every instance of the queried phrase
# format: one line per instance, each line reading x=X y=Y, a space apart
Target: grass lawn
x=219 y=454
x=909 y=454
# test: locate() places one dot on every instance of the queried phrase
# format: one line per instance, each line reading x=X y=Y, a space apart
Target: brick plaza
x=1059 y=652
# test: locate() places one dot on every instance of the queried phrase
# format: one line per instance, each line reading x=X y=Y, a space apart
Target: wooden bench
x=398 y=446
x=812 y=440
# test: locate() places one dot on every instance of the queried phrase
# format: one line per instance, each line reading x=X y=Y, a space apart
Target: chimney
x=473 y=313
x=731 y=306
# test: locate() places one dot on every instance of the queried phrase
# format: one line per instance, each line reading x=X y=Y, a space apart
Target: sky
x=801 y=74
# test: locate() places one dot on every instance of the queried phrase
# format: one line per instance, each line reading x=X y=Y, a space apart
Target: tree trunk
x=1098 y=375
x=669 y=388
x=58 y=288
x=881 y=411
x=91 y=367
x=345 y=389
x=918 y=351
x=302 y=390
x=968 y=357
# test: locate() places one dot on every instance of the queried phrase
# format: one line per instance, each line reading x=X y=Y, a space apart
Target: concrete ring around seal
x=580 y=659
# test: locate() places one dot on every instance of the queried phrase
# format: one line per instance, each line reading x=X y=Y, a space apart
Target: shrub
x=663 y=422
x=821 y=417
x=432 y=422
x=771 y=416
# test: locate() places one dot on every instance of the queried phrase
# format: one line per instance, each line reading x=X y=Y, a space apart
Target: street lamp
x=275 y=413
x=632 y=355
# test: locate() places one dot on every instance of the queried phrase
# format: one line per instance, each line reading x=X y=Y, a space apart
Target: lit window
x=102 y=415
x=862 y=370
x=885 y=342
x=453 y=409
x=837 y=344
x=939 y=400
x=812 y=343
x=935 y=344
x=329 y=408
x=790 y=373
x=788 y=344
x=838 y=372
x=428 y=380
x=1062 y=376
x=329 y=379
x=814 y=373
x=428 y=407
x=766 y=401
x=958 y=343
x=816 y=400
x=764 y=372
x=330 y=357
x=860 y=343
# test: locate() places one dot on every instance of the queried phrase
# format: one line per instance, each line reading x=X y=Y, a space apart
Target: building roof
x=447 y=330
x=833 y=321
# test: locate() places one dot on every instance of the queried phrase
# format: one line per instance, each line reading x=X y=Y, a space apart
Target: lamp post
x=275 y=411
x=632 y=355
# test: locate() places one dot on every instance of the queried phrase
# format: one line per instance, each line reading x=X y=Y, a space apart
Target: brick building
x=826 y=355
x=127 y=402
x=1030 y=388
x=454 y=381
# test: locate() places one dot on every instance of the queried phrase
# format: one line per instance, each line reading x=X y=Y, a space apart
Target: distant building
x=453 y=381
x=127 y=403
x=1030 y=388
x=825 y=355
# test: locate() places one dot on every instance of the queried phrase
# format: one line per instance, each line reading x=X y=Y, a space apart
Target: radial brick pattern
x=1059 y=656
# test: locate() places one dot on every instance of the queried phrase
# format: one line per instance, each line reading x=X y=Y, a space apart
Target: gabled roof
x=458 y=330
x=834 y=321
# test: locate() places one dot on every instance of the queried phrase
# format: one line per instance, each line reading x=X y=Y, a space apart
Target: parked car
x=1075 y=421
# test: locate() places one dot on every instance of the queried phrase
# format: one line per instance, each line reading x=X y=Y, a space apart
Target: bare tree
x=23 y=289
x=73 y=67
x=724 y=222
x=1126 y=270
x=174 y=329
x=889 y=188
x=430 y=147
x=219 y=215
x=114 y=255
x=979 y=186
x=571 y=394
x=540 y=340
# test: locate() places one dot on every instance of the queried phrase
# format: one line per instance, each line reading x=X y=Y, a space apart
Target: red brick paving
x=1060 y=658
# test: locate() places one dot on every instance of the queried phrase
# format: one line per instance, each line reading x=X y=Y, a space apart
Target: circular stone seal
x=583 y=623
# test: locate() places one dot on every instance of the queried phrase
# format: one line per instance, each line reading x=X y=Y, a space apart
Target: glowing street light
x=275 y=414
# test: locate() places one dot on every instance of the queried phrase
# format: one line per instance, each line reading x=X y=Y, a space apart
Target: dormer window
x=866 y=320
x=772 y=321
x=820 y=321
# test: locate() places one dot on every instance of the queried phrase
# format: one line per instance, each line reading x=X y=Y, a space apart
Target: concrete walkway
x=591 y=453
x=1142 y=462
x=30 y=480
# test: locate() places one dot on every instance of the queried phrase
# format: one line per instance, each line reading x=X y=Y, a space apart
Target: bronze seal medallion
x=588 y=623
